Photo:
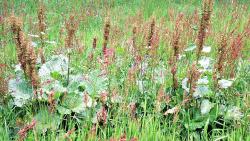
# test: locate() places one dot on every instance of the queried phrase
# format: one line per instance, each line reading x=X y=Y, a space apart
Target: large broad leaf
x=201 y=91
x=58 y=63
x=71 y=102
x=74 y=83
x=46 y=120
x=206 y=106
x=20 y=90
x=95 y=82
x=233 y=113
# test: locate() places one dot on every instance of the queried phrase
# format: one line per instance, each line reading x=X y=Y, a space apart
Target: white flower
x=225 y=83
x=206 y=106
x=184 y=84
x=206 y=49
x=234 y=113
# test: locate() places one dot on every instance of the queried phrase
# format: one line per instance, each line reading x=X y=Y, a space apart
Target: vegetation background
x=138 y=115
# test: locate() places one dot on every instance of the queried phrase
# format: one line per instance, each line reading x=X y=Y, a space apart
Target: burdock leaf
x=95 y=82
x=72 y=102
x=20 y=90
x=58 y=63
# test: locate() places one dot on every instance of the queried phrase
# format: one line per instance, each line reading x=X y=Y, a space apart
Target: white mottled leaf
x=223 y=83
x=20 y=90
x=206 y=106
x=58 y=63
x=234 y=113
x=200 y=91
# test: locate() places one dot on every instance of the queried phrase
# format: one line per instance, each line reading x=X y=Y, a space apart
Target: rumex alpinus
x=71 y=26
x=176 y=48
x=41 y=24
x=25 y=52
x=204 y=23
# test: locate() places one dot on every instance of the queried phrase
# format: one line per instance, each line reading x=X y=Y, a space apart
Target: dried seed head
x=41 y=19
x=151 y=33
x=41 y=24
x=94 y=43
x=193 y=76
x=106 y=36
x=71 y=27
x=205 y=19
x=25 y=52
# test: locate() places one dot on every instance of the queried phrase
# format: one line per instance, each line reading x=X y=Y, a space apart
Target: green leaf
x=63 y=111
x=58 y=64
x=20 y=90
x=72 y=102
x=95 y=83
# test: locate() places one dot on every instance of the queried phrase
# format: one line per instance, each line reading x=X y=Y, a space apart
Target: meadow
x=124 y=70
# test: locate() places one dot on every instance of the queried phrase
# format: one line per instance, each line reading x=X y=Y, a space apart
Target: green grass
x=150 y=124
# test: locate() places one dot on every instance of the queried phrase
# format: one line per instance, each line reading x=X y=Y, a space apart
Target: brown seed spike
x=25 y=52
x=151 y=33
x=71 y=27
x=41 y=24
x=94 y=43
x=204 y=23
x=106 y=36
